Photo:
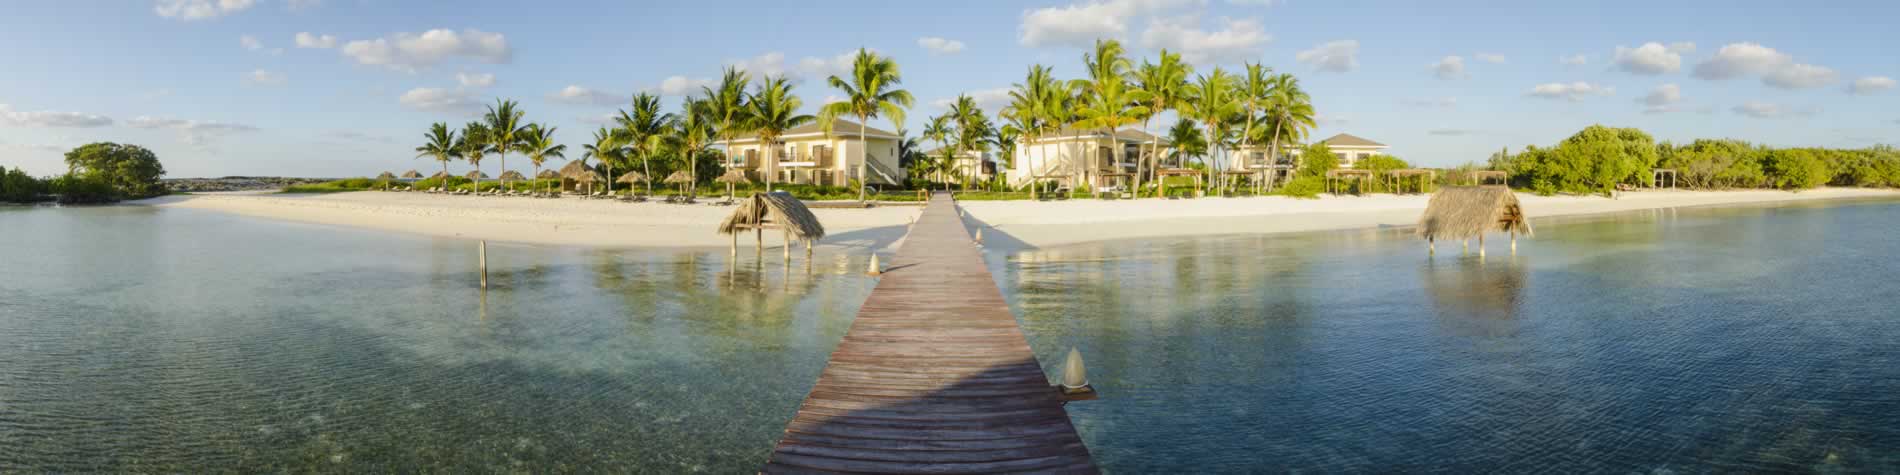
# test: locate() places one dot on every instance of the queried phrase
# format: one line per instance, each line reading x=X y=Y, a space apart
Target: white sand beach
x=578 y=222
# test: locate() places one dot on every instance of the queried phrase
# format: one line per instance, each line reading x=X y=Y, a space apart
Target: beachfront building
x=1349 y=148
x=1072 y=157
x=807 y=155
x=972 y=164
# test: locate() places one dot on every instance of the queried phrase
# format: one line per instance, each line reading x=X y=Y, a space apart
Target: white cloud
x=1742 y=59
x=1334 y=56
x=811 y=67
x=1766 y=110
x=1573 y=92
x=410 y=52
x=1492 y=58
x=1573 y=60
x=51 y=118
x=1451 y=67
x=305 y=39
x=1235 y=41
x=990 y=100
x=353 y=136
x=1662 y=99
x=1443 y=131
x=1650 y=59
x=191 y=132
x=431 y=99
x=250 y=43
x=1432 y=102
x=475 y=79
x=1800 y=76
x=189 y=10
x=940 y=45
x=1871 y=84
x=574 y=94
x=681 y=86
x=265 y=78
x=1776 y=68
x=1080 y=24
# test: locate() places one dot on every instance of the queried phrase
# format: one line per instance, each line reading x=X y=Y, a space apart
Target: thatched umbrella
x=773 y=210
x=548 y=174
x=512 y=175
x=731 y=178
x=579 y=172
x=411 y=175
x=386 y=177
x=680 y=178
x=1463 y=212
x=439 y=175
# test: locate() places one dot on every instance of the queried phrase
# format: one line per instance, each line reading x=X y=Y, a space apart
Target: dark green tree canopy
x=131 y=170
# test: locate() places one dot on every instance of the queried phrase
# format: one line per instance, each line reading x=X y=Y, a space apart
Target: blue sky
x=225 y=87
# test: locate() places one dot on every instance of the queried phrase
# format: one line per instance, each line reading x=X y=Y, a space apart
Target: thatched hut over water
x=1465 y=212
x=773 y=210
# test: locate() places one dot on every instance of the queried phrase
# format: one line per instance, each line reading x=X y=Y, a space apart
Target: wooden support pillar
x=1431 y=246
x=1480 y=245
x=735 y=243
x=1513 y=242
x=481 y=255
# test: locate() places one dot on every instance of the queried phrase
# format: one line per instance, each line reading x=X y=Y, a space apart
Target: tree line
x=101 y=172
x=1599 y=159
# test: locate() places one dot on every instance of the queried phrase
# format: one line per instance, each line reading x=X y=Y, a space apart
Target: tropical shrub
x=129 y=170
x=1796 y=169
x=1316 y=160
x=1304 y=187
x=83 y=189
x=18 y=187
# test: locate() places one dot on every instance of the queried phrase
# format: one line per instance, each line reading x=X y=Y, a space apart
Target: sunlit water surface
x=1745 y=339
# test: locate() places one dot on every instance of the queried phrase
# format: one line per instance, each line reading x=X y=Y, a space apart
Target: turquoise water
x=1728 y=340
x=1741 y=339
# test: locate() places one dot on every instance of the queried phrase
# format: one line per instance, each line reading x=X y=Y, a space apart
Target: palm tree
x=505 y=131
x=609 y=146
x=1252 y=95
x=1188 y=142
x=477 y=139
x=866 y=95
x=1027 y=110
x=1108 y=103
x=1165 y=86
x=645 y=128
x=909 y=151
x=1291 y=111
x=772 y=111
x=972 y=129
x=691 y=132
x=939 y=130
x=1211 y=101
x=726 y=107
x=539 y=145
x=1006 y=139
x=443 y=146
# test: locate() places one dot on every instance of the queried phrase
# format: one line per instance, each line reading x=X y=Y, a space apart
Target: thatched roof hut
x=1464 y=212
x=386 y=176
x=631 y=177
x=439 y=175
x=774 y=210
x=474 y=174
x=679 y=177
x=548 y=173
x=512 y=175
x=575 y=169
x=411 y=175
x=733 y=176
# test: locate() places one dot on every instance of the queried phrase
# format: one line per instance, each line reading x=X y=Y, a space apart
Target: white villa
x=973 y=164
x=807 y=155
x=1074 y=156
x=1349 y=148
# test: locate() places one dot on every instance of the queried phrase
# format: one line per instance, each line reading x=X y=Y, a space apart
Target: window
x=1341 y=155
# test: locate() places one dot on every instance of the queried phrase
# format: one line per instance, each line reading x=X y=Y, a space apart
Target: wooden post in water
x=788 y=244
x=1431 y=247
x=1480 y=244
x=808 y=243
x=735 y=243
x=1514 y=242
x=481 y=256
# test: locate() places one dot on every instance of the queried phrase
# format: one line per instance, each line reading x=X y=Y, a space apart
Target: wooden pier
x=934 y=376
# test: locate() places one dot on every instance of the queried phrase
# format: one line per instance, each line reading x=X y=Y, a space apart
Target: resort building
x=974 y=164
x=1073 y=156
x=1349 y=148
x=807 y=155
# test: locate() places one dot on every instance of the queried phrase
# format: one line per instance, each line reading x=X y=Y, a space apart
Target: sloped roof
x=1131 y=135
x=1351 y=140
x=840 y=128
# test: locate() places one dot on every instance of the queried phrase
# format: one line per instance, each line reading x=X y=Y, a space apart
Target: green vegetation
x=336 y=186
x=18 y=187
x=101 y=172
x=1599 y=159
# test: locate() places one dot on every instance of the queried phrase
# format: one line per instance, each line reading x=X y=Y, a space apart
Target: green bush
x=83 y=189
x=1304 y=187
x=1798 y=169
x=18 y=187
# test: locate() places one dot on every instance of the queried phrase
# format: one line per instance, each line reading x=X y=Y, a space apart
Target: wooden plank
x=934 y=376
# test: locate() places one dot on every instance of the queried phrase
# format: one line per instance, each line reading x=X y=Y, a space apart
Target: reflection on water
x=175 y=340
x=1740 y=340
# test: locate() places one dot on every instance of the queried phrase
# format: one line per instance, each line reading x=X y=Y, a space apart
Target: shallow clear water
x=1745 y=339
x=1735 y=340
